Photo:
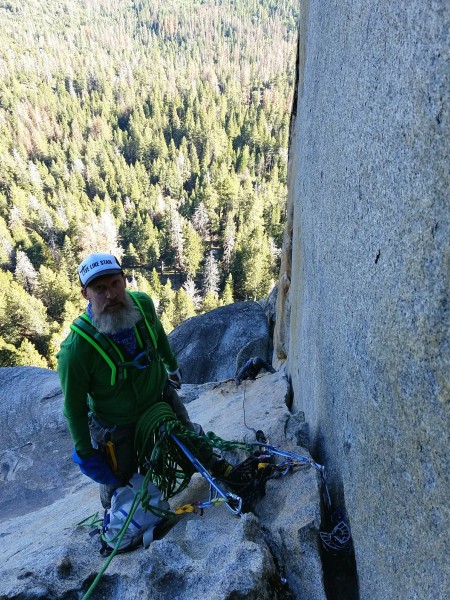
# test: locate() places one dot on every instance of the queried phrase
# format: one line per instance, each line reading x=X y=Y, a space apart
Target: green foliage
x=8 y=354
x=227 y=295
x=70 y=312
x=28 y=356
x=167 y=306
x=21 y=315
x=253 y=268
x=54 y=289
x=155 y=131
x=210 y=301
x=155 y=284
x=184 y=307
x=193 y=249
x=143 y=285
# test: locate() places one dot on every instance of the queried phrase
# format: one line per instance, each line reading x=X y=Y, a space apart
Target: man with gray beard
x=114 y=365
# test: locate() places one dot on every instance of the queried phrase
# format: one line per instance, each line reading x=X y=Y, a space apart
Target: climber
x=251 y=369
x=115 y=363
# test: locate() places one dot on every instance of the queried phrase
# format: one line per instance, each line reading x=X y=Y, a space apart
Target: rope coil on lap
x=170 y=469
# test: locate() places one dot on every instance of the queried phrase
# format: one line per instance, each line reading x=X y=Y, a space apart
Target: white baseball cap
x=97 y=265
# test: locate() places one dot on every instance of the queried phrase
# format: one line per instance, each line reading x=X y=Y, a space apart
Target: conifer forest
x=155 y=130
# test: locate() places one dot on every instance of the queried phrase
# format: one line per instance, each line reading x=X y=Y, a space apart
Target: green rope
x=157 y=453
x=134 y=508
x=90 y=521
x=164 y=463
x=218 y=442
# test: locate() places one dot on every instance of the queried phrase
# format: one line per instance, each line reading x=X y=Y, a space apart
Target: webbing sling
x=108 y=349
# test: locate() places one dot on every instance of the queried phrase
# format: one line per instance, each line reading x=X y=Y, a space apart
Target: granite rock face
x=366 y=301
x=33 y=435
x=217 y=555
x=212 y=346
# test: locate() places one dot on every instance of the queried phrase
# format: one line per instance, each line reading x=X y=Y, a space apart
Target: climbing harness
x=111 y=352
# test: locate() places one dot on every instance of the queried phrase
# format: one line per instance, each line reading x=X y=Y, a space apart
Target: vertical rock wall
x=364 y=317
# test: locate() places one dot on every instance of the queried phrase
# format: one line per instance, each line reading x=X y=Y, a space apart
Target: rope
x=243 y=409
x=166 y=465
x=148 y=440
x=170 y=469
x=134 y=507
x=224 y=445
x=90 y=521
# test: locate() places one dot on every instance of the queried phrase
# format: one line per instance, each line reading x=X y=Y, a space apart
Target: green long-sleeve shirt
x=86 y=382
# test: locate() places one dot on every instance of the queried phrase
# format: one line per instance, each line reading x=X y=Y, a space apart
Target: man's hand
x=175 y=379
x=96 y=467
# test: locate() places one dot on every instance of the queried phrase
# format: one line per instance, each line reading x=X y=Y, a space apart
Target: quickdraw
x=230 y=500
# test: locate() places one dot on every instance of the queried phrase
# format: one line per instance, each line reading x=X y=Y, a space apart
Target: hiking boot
x=221 y=468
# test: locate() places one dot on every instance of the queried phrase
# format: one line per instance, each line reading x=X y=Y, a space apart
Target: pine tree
x=6 y=245
x=68 y=261
x=167 y=306
x=151 y=245
x=210 y=301
x=25 y=273
x=142 y=284
x=155 y=285
x=99 y=235
x=227 y=295
x=28 y=356
x=8 y=354
x=201 y=221
x=21 y=315
x=130 y=257
x=176 y=239
x=252 y=268
x=54 y=289
x=184 y=307
x=228 y=244
x=211 y=275
x=192 y=292
x=70 y=311
x=193 y=249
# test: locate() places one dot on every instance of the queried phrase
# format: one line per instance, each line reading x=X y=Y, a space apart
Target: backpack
x=142 y=525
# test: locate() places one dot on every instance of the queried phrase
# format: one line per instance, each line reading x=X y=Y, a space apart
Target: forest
x=153 y=130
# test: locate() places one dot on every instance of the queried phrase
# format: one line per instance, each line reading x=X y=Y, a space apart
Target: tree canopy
x=153 y=130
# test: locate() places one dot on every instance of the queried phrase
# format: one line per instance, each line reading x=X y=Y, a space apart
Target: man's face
x=106 y=294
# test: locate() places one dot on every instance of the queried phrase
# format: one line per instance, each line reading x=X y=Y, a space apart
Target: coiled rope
x=157 y=452
x=164 y=463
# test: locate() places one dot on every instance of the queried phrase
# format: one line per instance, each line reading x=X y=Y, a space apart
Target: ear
x=84 y=293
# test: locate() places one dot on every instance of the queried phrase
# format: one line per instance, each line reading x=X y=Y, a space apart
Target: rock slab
x=45 y=556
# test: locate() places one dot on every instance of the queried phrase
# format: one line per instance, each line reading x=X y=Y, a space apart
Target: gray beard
x=110 y=323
